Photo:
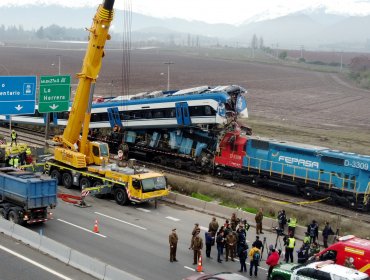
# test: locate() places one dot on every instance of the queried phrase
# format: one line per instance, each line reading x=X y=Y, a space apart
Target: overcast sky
x=218 y=11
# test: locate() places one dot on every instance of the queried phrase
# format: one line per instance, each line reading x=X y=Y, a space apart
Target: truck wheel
x=13 y=217
x=55 y=174
x=84 y=183
x=67 y=180
x=3 y=213
x=120 y=196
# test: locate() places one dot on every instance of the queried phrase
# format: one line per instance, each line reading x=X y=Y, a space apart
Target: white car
x=327 y=271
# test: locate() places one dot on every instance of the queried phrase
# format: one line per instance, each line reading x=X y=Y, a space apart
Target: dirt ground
x=284 y=102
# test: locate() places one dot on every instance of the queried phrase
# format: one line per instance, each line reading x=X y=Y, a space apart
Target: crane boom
x=88 y=75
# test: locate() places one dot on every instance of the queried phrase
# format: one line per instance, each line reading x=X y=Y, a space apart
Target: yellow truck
x=78 y=161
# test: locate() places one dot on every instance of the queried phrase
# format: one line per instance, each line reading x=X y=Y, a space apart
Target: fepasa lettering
x=299 y=162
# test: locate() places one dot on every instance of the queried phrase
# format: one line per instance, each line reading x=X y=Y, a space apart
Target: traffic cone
x=199 y=267
x=96 y=227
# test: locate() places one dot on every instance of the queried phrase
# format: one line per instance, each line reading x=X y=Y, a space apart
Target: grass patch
x=202 y=197
x=250 y=210
x=228 y=204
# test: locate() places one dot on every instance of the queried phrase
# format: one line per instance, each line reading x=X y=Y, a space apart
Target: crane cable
x=126 y=47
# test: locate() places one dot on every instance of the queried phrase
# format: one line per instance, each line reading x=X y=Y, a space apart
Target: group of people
x=230 y=241
x=310 y=244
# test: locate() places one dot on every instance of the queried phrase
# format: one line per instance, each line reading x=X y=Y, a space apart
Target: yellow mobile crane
x=78 y=161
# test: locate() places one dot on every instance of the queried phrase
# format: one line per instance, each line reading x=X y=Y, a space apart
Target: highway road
x=19 y=261
x=135 y=238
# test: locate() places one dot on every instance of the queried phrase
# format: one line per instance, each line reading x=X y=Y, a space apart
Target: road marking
x=203 y=228
x=144 y=210
x=121 y=221
x=68 y=223
x=172 y=218
x=35 y=263
x=190 y=268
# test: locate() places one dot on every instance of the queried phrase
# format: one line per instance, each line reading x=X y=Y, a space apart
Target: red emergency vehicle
x=351 y=247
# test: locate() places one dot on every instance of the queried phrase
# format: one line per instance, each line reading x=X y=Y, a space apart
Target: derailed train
x=342 y=178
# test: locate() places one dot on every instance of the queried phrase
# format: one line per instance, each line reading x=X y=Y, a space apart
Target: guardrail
x=64 y=253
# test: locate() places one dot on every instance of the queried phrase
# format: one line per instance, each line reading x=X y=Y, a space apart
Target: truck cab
x=324 y=270
x=348 y=247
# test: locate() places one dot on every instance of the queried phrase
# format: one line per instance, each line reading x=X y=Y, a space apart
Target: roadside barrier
x=64 y=253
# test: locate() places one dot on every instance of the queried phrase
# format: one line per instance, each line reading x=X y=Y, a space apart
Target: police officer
x=197 y=246
x=230 y=246
x=213 y=226
x=13 y=136
x=289 y=248
x=173 y=239
x=258 y=218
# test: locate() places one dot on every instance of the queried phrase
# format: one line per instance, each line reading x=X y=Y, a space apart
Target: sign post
x=54 y=94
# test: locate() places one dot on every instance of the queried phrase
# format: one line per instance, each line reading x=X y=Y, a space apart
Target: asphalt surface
x=19 y=261
x=135 y=238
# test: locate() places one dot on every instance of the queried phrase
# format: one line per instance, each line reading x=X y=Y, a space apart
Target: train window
x=196 y=111
x=208 y=111
x=148 y=114
x=94 y=117
x=158 y=114
x=333 y=160
x=103 y=117
x=299 y=151
x=262 y=145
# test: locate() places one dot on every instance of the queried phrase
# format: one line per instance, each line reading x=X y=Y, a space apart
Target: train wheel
x=84 y=183
x=55 y=174
x=120 y=196
x=308 y=192
x=14 y=217
x=67 y=180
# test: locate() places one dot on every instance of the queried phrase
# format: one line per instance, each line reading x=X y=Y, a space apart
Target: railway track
x=37 y=139
x=266 y=194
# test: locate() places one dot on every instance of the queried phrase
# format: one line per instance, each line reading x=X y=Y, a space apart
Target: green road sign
x=54 y=93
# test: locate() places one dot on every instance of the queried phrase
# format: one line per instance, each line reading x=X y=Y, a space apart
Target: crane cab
x=98 y=153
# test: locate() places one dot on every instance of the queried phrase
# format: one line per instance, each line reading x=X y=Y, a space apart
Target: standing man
x=289 y=248
x=282 y=219
x=220 y=241
x=197 y=246
x=254 y=256
x=173 y=239
x=257 y=243
x=326 y=232
x=292 y=224
x=313 y=230
x=230 y=246
x=196 y=230
x=259 y=218
x=243 y=254
x=213 y=226
x=13 y=136
x=234 y=221
x=210 y=241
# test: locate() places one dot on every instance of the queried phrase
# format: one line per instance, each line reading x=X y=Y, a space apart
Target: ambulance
x=351 y=248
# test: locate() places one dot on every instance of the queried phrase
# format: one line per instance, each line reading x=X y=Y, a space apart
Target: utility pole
x=168 y=63
x=47 y=121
